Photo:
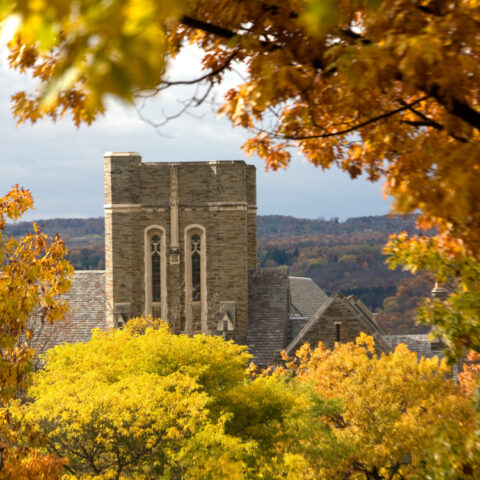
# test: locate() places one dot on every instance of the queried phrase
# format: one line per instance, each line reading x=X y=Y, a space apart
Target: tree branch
x=394 y=469
x=428 y=122
x=455 y=107
x=207 y=27
x=212 y=73
x=358 y=125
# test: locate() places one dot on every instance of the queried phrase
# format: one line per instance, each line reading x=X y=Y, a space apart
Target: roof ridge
x=89 y=271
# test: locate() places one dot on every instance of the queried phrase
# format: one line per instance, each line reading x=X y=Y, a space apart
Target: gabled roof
x=366 y=312
x=87 y=310
x=343 y=308
x=268 y=310
x=306 y=296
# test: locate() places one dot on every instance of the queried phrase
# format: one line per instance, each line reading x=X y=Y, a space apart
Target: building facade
x=180 y=239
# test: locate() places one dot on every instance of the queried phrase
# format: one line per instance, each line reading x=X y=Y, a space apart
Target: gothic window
x=196 y=267
x=156 y=269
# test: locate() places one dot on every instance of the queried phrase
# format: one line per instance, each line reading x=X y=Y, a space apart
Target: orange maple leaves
x=389 y=89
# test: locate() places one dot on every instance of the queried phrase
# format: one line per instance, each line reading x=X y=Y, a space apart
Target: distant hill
x=340 y=256
x=84 y=237
x=347 y=257
x=277 y=226
x=75 y=231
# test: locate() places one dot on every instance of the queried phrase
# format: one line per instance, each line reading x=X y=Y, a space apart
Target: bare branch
x=211 y=74
x=358 y=125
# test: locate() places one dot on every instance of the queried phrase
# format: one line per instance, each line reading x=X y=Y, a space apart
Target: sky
x=63 y=166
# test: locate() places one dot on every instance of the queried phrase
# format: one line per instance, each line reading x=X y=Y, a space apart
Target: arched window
x=196 y=267
x=195 y=279
x=155 y=271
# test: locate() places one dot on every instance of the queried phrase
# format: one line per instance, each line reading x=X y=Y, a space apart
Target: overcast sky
x=63 y=166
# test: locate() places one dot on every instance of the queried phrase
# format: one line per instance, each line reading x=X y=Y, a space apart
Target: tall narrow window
x=155 y=272
x=196 y=268
x=337 y=331
x=156 y=269
x=195 y=243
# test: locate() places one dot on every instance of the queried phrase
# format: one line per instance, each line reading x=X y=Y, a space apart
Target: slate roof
x=295 y=324
x=268 y=310
x=271 y=325
x=87 y=310
x=419 y=343
x=306 y=296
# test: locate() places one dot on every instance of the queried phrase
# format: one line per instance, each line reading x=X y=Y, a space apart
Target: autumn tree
x=455 y=314
x=33 y=274
x=144 y=403
x=402 y=417
x=469 y=377
x=380 y=87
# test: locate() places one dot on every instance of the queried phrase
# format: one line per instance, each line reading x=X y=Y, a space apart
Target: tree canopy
x=33 y=275
x=144 y=403
x=389 y=88
x=401 y=416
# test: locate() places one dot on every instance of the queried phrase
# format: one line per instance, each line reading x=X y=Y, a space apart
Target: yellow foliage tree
x=143 y=403
x=33 y=273
x=402 y=417
x=455 y=316
x=469 y=377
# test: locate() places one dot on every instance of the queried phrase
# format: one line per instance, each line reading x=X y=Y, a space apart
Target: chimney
x=439 y=292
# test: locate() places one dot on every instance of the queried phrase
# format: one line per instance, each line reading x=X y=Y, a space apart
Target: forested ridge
x=341 y=256
x=347 y=257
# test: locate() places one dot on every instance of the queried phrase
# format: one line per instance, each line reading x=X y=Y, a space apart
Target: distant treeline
x=273 y=226
x=84 y=237
x=340 y=256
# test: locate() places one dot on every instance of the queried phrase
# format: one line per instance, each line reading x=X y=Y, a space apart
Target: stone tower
x=179 y=241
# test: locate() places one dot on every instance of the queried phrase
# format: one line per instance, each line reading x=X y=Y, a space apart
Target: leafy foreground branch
x=381 y=87
x=33 y=274
x=142 y=403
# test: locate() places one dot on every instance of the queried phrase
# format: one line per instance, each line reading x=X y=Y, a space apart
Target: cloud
x=63 y=166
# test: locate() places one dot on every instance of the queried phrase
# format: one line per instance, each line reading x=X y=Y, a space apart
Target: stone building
x=180 y=243
x=180 y=239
